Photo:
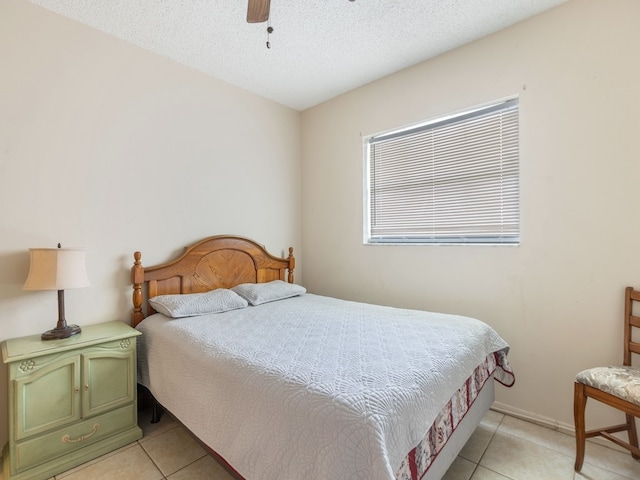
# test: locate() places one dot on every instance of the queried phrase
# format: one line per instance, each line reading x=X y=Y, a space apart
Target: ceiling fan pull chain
x=269 y=32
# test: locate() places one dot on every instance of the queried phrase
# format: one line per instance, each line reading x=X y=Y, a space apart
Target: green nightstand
x=70 y=400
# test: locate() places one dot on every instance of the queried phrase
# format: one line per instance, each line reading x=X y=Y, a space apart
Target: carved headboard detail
x=223 y=261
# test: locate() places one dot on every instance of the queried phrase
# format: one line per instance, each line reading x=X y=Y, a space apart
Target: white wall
x=557 y=298
x=106 y=146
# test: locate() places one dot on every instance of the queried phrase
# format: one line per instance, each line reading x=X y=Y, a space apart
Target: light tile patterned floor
x=502 y=448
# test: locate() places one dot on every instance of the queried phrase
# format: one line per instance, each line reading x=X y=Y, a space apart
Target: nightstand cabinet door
x=108 y=377
x=46 y=393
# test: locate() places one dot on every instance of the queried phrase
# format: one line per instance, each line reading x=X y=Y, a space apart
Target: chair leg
x=579 y=405
x=633 y=434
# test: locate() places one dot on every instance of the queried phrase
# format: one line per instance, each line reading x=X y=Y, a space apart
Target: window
x=452 y=180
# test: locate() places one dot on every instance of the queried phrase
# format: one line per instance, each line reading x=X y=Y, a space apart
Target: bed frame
x=222 y=261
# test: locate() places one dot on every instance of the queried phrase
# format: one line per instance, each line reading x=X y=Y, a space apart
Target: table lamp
x=57 y=269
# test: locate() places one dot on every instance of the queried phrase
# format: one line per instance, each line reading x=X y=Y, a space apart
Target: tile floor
x=501 y=448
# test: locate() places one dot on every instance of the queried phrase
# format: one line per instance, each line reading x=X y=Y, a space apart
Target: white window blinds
x=452 y=180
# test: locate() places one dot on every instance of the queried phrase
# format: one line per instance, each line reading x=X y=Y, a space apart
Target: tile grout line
x=188 y=465
x=175 y=427
x=493 y=435
x=151 y=458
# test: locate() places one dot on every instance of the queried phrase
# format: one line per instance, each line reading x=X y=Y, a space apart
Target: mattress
x=314 y=387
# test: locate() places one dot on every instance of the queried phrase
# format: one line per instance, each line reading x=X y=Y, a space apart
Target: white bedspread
x=311 y=387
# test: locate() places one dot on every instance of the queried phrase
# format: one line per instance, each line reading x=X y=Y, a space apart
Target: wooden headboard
x=222 y=261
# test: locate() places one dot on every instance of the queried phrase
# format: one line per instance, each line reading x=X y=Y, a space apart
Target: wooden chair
x=616 y=386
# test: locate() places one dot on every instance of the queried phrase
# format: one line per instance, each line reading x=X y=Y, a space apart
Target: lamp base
x=58 y=333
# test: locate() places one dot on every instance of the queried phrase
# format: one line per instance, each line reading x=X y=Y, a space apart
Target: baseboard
x=550 y=423
x=533 y=418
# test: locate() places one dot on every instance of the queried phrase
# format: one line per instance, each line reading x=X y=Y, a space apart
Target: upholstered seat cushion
x=621 y=381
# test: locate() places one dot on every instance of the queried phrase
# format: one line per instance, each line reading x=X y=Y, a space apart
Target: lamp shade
x=56 y=269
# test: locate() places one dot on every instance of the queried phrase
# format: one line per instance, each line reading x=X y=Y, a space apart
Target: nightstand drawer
x=30 y=453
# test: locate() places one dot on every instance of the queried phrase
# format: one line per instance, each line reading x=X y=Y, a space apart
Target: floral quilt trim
x=418 y=461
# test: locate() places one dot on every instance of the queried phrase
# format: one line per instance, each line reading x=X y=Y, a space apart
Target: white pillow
x=190 y=304
x=257 y=293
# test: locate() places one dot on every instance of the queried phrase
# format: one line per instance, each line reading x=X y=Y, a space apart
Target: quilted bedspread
x=312 y=387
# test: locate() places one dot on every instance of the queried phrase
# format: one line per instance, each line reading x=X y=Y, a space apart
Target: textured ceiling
x=319 y=48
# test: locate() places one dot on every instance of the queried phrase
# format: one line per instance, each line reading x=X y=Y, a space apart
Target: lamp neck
x=62 y=322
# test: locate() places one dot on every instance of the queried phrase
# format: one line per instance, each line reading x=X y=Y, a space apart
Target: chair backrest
x=630 y=320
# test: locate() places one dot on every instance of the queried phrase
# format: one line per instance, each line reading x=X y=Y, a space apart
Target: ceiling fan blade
x=258 y=11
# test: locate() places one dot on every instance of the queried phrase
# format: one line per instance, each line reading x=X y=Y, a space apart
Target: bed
x=282 y=384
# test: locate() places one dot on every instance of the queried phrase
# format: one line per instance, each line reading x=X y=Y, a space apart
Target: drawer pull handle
x=81 y=438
